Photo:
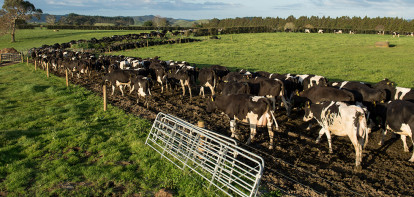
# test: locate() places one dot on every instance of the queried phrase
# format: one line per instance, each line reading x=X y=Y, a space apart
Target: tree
x=290 y=26
x=14 y=10
x=147 y=24
x=51 y=19
x=159 y=21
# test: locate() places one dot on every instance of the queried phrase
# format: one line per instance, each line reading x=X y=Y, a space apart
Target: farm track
x=297 y=165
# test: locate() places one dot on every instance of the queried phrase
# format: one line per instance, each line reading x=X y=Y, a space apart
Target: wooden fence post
x=147 y=43
x=27 y=60
x=22 y=57
x=35 y=64
x=47 y=70
x=67 y=78
x=104 y=96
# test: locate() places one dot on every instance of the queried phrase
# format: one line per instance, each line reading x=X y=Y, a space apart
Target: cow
x=338 y=32
x=207 y=77
x=393 y=92
x=184 y=77
x=307 y=31
x=254 y=110
x=233 y=87
x=320 y=94
x=395 y=34
x=308 y=81
x=143 y=86
x=320 y=31
x=361 y=91
x=342 y=120
x=118 y=78
x=220 y=71
x=159 y=73
x=273 y=89
x=400 y=120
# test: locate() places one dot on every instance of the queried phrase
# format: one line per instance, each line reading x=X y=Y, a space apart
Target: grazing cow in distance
x=400 y=120
x=254 y=110
x=307 y=31
x=395 y=34
x=320 y=31
x=342 y=120
x=207 y=78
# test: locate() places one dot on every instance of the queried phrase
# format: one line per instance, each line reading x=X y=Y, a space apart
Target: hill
x=138 y=20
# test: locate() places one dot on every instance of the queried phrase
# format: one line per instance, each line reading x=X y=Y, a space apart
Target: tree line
x=314 y=22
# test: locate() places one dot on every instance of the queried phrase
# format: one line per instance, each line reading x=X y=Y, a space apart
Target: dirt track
x=297 y=165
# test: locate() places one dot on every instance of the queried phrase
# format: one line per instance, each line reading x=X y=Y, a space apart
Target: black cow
x=273 y=89
x=207 y=78
x=400 y=120
x=361 y=91
x=309 y=81
x=395 y=93
x=342 y=120
x=320 y=94
x=119 y=79
x=233 y=87
x=254 y=110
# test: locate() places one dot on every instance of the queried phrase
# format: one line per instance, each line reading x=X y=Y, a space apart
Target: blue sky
x=207 y=9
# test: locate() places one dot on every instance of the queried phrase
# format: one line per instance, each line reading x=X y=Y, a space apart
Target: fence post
x=27 y=60
x=47 y=70
x=104 y=96
x=0 y=57
x=147 y=43
x=67 y=78
x=21 y=54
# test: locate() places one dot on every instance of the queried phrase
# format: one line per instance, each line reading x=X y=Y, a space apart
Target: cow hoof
x=271 y=147
x=330 y=151
x=379 y=144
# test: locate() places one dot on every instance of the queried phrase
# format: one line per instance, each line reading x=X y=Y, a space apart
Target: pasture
x=57 y=140
x=338 y=57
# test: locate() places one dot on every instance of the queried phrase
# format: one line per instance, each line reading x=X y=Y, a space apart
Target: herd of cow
x=340 y=108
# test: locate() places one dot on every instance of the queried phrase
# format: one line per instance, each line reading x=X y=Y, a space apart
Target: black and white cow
x=342 y=120
x=254 y=110
x=274 y=89
x=207 y=78
x=361 y=91
x=393 y=92
x=320 y=94
x=143 y=86
x=400 y=120
x=118 y=78
x=159 y=73
x=308 y=81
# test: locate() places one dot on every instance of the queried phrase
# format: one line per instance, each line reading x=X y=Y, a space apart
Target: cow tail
x=362 y=127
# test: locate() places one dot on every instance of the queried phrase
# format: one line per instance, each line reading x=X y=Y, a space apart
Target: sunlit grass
x=56 y=140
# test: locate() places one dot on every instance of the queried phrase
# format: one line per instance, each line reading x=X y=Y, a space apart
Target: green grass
x=26 y=38
x=58 y=141
x=338 y=57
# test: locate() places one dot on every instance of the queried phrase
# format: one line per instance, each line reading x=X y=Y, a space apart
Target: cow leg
x=384 y=132
x=233 y=128
x=274 y=119
x=113 y=90
x=202 y=90
x=270 y=130
x=189 y=90
x=404 y=140
x=252 y=133
x=182 y=86
x=211 y=89
x=121 y=88
x=132 y=89
x=328 y=136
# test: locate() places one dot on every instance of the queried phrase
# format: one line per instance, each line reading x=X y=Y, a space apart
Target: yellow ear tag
x=375 y=104
x=392 y=84
x=382 y=101
x=388 y=83
x=212 y=99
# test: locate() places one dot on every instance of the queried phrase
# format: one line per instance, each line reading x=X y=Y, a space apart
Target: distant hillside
x=138 y=20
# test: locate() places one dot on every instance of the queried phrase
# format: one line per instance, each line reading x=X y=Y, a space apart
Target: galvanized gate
x=216 y=158
x=10 y=57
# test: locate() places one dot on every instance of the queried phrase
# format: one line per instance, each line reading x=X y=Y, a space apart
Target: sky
x=221 y=9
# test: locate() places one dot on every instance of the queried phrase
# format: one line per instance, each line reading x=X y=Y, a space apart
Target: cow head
x=211 y=104
x=308 y=112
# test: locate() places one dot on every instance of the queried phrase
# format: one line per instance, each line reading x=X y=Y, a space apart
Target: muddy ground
x=297 y=165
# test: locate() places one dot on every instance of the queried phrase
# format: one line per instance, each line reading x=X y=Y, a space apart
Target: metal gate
x=216 y=158
x=10 y=57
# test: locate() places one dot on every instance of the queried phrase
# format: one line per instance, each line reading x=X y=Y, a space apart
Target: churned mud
x=297 y=165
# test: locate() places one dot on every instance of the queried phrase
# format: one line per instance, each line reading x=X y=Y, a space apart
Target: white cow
x=320 y=31
x=307 y=31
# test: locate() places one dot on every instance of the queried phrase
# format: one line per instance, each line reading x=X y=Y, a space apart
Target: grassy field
x=338 y=57
x=58 y=140
x=26 y=38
